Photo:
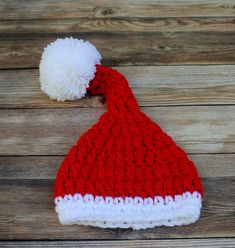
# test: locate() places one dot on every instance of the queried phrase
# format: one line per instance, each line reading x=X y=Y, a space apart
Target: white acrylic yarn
x=66 y=68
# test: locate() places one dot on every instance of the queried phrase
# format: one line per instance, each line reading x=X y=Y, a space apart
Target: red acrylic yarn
x=125 y=153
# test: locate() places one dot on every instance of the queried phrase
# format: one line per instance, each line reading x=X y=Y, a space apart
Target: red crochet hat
x=125 y=171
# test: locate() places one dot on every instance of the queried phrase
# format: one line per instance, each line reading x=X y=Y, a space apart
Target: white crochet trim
x=137 y=213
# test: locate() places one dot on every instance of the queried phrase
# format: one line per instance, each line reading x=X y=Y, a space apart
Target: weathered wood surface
x=152 y=86
x=85 y=25
x=57 y=9
x=157 y=48
x=172 y=32
x=45 y=167
x=27 y=212
x=180 y=243
x=197 y=129
x=195 y=104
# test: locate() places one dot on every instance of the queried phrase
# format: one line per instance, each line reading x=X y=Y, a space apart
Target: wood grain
x=168 y=243
x=27 y=212
x=152 y=86
x=55 y=9
x=195 y=104
x=157 y=48
x=45 y=167
x=196 y=129
x=85 y=25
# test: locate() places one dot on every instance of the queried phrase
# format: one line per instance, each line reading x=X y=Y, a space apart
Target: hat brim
x=137 y=213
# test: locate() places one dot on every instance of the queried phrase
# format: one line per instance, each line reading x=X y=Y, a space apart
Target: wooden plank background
x=179 y=57
x=211 y=243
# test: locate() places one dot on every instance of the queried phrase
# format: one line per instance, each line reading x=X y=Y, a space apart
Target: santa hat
x=124 y=171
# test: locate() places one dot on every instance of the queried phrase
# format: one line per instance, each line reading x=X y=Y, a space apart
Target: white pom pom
x=66 y=68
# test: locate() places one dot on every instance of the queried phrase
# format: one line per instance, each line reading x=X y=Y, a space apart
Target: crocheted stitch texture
x=128 y=212
x=125 y=154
